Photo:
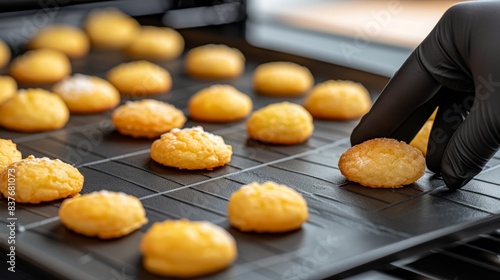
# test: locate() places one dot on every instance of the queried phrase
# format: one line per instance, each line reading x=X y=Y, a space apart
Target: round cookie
x=267 y=207
x=8 y=88
x=281 y=123
x=214 y=62
x=103 y=214
x=8 y=154
x=187 y=249
x=147 y=118
x=111 y=29
x=70 y=40
x=282 y=79
x=41 y=179
x=191 y=148
x=156 y=43
x=40 y=66
x=382 y=163
x=4 y=54
x=140 y=78
x=338 y=100
x=87 y=94
x=219 y=103
x=34 y=110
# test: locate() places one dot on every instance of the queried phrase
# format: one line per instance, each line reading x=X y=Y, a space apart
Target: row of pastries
x=256 y=207
x=107 y=214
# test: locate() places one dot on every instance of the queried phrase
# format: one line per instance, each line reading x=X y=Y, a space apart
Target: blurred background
x=369 y=35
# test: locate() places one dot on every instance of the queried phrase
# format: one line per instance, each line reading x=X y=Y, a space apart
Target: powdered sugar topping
x=78 y=83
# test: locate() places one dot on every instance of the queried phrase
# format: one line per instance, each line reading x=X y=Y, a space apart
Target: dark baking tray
x=349 y=226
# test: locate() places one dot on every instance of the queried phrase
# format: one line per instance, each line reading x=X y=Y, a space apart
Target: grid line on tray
x=197 y=206
x=408 y=199
x=323 y=196
x=121 y=178
x=148 y=171
x=480 y=193
x=94 y=255
x=249 y=168
x=167 y=214
x=334 y=144
x=46 y=134
x=464 y=204
x=136 y=153
x=22 y=228
x=302 y=173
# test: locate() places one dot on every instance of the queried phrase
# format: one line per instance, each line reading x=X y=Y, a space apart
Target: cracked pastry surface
x=147 y=118
x=382 y=163
x=191 y=148
x=8 y=153
x=41 y=179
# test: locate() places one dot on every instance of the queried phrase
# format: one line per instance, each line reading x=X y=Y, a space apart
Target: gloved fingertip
x=454 y=182
x=433 y=164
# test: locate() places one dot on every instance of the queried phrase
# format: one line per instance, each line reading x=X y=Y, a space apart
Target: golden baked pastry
x=281 y=123
x=421 y=140
x=267 y=207
x=156 y=43
x=8 y=88
x=338 y=100
x=140 y=78
x=214 y=62
x=87 y=94
x=111 y=29
x=147 y=118
x=382 y=163
x=191 y=148
x=33 y=110
x=103 y=214
x=68 y=39
x=40 y=66
x=8 y=153
x=219 y=103
x=41 y=179
x=187 y=249
x=282 y=79
x=433 y=116
x=4 y=54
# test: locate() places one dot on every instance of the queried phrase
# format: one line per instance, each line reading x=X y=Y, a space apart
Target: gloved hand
x=457 y=67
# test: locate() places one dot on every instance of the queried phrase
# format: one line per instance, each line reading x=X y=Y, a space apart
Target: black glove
x=457 y=67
